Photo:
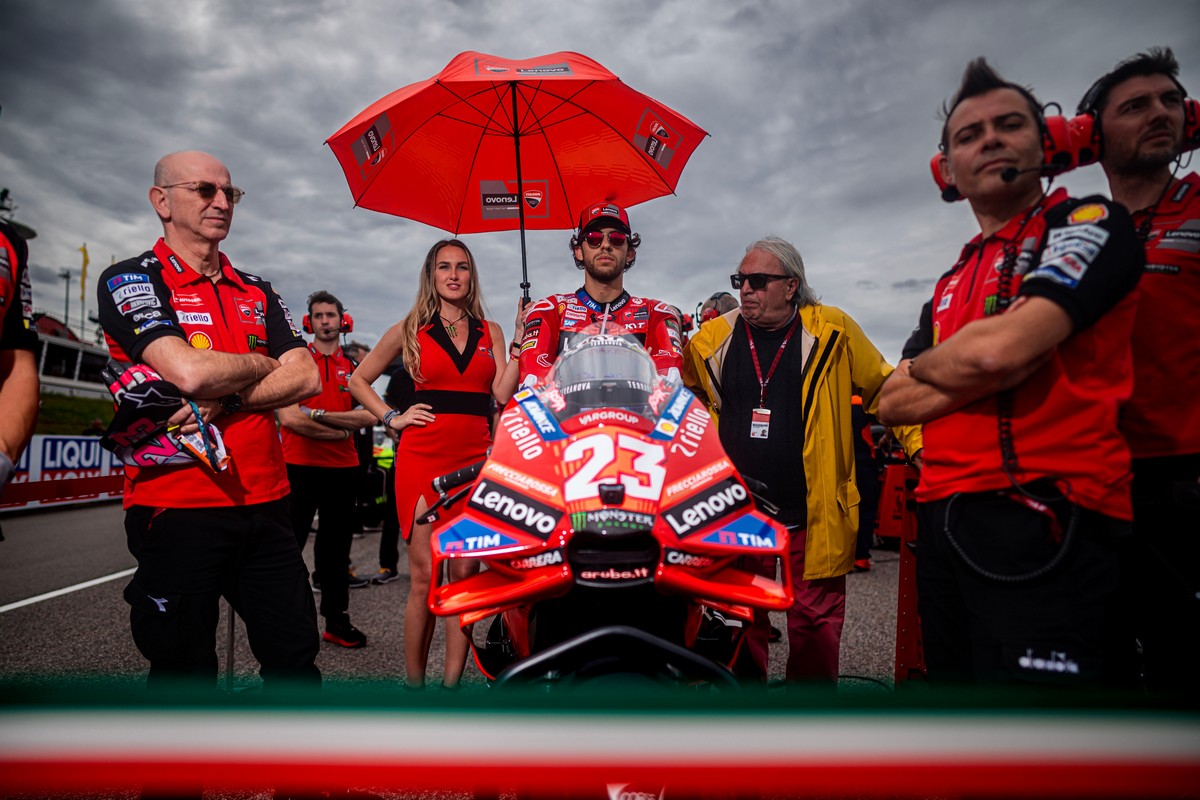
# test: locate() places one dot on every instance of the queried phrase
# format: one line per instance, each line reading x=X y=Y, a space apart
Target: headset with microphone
x=1063 y=149
x=710 y=313
x=1085 y=125
x=347 y=325
x=1082 y=141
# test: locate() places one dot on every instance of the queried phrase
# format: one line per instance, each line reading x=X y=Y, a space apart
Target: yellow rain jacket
x=840 y=359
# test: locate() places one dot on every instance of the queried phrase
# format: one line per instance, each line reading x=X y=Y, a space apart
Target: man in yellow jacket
x=778 y=375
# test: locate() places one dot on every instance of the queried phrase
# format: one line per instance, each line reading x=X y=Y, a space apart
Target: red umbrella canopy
x=448 y=151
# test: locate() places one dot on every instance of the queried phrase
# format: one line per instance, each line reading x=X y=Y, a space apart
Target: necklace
x=450 y=325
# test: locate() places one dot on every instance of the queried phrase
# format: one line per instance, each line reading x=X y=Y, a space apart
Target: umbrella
x=493 y=144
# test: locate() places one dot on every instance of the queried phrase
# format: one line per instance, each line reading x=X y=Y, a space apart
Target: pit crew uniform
x=199 y=534
x=1056 y=435
x=1163 y=429
x=554 y=322
x=16 y=293
x=324 y=478
x=16 y=312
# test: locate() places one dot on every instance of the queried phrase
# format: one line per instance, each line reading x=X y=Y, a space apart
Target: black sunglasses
x=758 y=280
x=208 y=191
x=596 y=238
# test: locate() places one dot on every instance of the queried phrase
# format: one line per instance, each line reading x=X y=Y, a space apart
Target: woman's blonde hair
x=425 y=308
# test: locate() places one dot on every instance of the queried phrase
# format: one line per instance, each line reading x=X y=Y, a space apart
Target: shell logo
x=200 y=341
x=1092 y=212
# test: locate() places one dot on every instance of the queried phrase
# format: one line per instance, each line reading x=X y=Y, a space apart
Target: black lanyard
x=762 y=382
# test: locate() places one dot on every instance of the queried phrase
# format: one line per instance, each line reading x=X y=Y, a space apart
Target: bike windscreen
x=604 y=371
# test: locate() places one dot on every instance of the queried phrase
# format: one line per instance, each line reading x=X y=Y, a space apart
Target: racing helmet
x=605 y=371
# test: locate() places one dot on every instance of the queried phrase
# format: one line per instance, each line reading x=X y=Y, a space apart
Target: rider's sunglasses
x=758 y=280
x=596 y=238
x=208 y=191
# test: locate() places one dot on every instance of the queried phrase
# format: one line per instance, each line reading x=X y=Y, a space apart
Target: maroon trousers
x=815 y=622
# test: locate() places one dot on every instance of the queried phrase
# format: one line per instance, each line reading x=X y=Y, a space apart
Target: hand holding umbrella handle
x=519 y=325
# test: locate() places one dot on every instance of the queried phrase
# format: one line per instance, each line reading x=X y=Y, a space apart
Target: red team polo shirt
x=1084 y=256
x=16 y=293
x=1161 y=419
x=156 y=294
x=334 y=396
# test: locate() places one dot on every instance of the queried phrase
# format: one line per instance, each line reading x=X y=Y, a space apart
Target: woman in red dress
x=457 y=361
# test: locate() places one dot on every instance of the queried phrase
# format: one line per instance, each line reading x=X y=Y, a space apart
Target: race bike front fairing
x=607 y=500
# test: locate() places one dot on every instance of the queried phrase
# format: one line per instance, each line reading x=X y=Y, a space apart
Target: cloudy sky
x=822 y=115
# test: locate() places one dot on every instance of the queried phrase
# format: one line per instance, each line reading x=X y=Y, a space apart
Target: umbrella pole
x=520 y=189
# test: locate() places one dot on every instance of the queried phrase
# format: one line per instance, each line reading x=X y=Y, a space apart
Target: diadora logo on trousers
x=719 y=501
x=531 y=516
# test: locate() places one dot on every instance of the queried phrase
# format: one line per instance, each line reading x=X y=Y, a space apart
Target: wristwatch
x=231 y=403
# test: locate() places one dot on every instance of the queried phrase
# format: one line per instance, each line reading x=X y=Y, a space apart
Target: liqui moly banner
x=51 y=460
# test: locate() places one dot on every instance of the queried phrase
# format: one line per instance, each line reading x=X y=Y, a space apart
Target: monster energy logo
x=253 y=341
x=611 y=518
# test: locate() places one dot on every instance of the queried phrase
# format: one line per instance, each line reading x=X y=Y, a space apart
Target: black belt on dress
x=444 y=401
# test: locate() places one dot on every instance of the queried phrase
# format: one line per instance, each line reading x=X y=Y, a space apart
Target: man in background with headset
x=1023 y=362
x=322 y=465
x=1142 y=123
x=717 y=304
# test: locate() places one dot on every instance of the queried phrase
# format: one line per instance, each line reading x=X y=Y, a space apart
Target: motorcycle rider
x=605 y=248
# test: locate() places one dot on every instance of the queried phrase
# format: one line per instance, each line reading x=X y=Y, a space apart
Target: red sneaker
x=345 y=634
x=862 y=565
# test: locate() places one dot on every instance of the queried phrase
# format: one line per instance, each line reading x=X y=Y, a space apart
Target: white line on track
x=59 y=592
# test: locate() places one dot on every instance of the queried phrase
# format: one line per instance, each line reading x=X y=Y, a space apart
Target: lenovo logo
x=719 y=501
x=529 y=515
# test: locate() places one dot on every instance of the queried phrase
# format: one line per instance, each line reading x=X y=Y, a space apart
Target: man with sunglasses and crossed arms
x=604 y=249
x=1140 y=117
x=778 y=374
x=226 y=340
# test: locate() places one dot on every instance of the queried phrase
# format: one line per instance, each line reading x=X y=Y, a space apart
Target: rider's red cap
x=604 y=214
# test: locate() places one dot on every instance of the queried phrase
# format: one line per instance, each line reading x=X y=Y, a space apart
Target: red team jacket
x=156 y=294
x=16 y=293
x=334 y=396
x=1161 y=419
x=1084 y=256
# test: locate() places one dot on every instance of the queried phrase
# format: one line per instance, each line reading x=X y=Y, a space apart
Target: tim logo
x=466 y=536
x=745 y=531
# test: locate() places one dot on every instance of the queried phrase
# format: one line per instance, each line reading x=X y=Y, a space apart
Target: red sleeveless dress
x=459 y=387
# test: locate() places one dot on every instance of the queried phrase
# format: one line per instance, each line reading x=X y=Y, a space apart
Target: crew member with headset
x=1023 y=364
x=1142 y=121
x=322 y=464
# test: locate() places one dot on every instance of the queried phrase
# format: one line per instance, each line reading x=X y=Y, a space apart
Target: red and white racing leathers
x=552 y=323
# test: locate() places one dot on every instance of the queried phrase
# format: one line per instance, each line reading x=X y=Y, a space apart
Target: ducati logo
x=534 y=197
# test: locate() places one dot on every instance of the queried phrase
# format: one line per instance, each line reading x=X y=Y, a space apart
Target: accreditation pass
x=760 y=423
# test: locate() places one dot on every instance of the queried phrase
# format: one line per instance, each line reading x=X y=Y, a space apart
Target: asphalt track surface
x=62 y=615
